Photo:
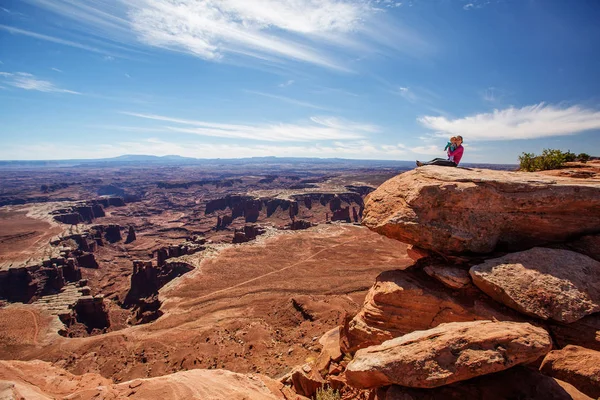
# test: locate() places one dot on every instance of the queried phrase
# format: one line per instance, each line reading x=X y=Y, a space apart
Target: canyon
x=276 y=281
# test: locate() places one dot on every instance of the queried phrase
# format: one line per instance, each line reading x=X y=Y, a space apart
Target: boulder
x=514 y=383
x=448 y=353
x=555 y=284
x=457 y=210
x=588 y=245
x=331 y=351
x=452 y=277
x=404 y=301
x=306 y=381
x=585 y=332
x=576 y=365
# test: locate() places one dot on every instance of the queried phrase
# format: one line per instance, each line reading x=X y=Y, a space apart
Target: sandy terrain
x=256 y=307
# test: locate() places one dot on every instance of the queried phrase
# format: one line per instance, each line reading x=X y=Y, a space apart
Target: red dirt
x=257 y=307
x=22 y=237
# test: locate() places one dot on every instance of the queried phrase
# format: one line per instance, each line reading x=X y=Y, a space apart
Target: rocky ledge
x=458 y=210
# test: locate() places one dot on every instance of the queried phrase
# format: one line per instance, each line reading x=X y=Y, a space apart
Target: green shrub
x=583 y=157
x=527 y=162
x=549 y=159
x=570 y=157
x=328 y=394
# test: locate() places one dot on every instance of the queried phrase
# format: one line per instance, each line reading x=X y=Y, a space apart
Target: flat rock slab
x=448 y=353
x=457 y=210
x=558 y=285
x=452 y=277
x=576 y=365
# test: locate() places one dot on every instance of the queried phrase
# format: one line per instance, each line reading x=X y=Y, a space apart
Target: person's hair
x=453 y=138
x=459 y=137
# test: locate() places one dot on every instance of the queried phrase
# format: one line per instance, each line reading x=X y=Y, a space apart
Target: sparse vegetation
x=328 y=394
x=549 y=159
x=583 y=157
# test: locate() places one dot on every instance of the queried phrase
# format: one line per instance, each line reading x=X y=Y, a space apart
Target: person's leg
x=442 y=162
x=437 y=161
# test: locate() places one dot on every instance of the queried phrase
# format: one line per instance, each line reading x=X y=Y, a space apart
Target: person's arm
x=457 y=154
x=447 y=146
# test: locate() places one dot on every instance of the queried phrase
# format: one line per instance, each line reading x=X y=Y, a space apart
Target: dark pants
x=441 y=161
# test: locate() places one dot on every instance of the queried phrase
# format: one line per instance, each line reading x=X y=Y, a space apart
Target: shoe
x=419 y=164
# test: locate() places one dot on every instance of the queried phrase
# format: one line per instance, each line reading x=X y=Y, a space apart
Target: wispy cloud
x=53 y=39
x=530 y=122
x=56 y=69
x=407 y=94
x=286 y=84
x=288 y=100
x=323 y=33
x=316 y=129
x=24 y=80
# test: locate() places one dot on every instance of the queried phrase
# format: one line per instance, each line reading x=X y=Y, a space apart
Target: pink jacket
x=457 y=153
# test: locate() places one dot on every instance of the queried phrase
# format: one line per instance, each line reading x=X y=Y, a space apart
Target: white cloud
x=317 y=129
x=56 y=69
x=153 y=146
x=318 y=32
x=530 y=122
x=24 y=80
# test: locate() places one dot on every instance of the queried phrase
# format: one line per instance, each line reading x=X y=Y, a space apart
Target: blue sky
x=364 y=79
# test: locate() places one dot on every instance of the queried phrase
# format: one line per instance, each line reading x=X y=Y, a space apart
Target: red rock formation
x=146 y=280
x=69 y=218
x=576 y=365
x=249 y=232
x=130 y=235
x=342 y=214
x=26 y=283
x=545 y=283
x=87 y=260
x=456 y=210
x=515 y=383
x=401 y=302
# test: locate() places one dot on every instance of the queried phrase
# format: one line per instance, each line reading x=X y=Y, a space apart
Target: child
x=450 y=147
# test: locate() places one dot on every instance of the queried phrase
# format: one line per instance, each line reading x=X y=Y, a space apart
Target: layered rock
x=576 y=365
x=40 y=380
x=456 y=210
x=248 y=233
x=81 y=212
x=146 y=280
x=448 y=353
x=191 y=246
x=555 y=284
x=130 y=235
x=452 y=277
x=404 y=301
x=29 y=282
x=514 y=383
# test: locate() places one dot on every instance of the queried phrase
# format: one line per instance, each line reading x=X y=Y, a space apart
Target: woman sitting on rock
x=454 y=156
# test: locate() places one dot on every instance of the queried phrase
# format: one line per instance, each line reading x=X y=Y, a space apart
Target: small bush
x=583 y=157
x=328 y=394
x=549 y=159
x=527 y=162
x=570 y=157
